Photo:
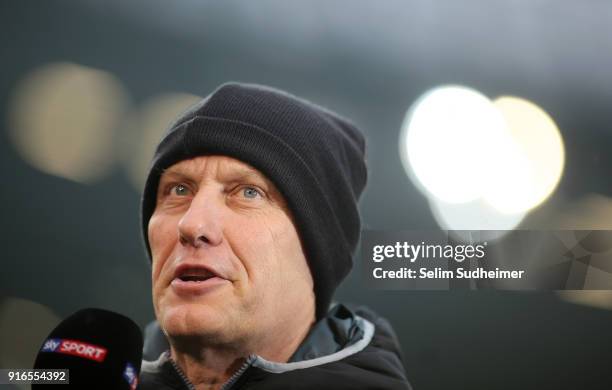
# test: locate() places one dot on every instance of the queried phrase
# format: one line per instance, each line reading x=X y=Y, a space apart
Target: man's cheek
x=155 y=272
x=162 y=237
x=157 y=231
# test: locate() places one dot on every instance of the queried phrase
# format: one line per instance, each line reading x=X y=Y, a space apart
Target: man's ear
x=155 y=342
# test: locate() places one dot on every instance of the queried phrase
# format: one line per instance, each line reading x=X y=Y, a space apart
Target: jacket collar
x=340 y=334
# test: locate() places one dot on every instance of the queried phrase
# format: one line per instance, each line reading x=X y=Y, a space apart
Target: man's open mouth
x=194 y=278
x=198 y=275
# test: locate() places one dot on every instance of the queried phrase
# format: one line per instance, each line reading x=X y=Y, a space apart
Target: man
x=250 y=217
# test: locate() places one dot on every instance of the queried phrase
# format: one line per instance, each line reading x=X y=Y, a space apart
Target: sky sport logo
x=129 y=374
x=75 y=348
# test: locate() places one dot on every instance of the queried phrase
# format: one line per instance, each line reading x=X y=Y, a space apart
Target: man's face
x=228 y=265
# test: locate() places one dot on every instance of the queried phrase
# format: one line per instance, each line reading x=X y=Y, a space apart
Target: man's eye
x=180 y=190
x=250 y=192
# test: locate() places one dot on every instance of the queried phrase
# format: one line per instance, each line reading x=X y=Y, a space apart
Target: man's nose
x=201 y=223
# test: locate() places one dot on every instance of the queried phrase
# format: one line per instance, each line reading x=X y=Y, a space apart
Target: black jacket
x=346 y=350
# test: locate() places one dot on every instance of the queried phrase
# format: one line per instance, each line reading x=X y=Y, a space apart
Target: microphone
x=101 y=349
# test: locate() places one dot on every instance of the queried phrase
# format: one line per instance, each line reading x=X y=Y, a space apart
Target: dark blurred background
x=87 y=87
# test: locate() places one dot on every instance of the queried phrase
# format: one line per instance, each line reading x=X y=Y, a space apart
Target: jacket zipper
x=234 y=378
x=184 y=378
x=227 y=385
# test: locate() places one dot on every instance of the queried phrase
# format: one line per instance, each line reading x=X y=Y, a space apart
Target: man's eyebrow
x=243 y=174
x=173 y=173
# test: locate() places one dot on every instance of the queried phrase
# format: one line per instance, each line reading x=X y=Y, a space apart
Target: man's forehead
x=221 y=166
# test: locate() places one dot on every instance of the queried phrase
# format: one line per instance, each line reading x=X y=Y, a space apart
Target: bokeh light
x=591 y=212
x=446 y=142
x=23 y=327
x=146 y=127
x=63 y=119
x=473 y=215
x=482 y=165
x=531 y=171
x=600 y=299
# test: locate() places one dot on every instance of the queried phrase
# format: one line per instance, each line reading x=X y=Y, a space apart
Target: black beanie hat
x=313 y=156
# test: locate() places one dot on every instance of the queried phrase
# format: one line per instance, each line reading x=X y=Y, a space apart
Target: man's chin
x=191 y=320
